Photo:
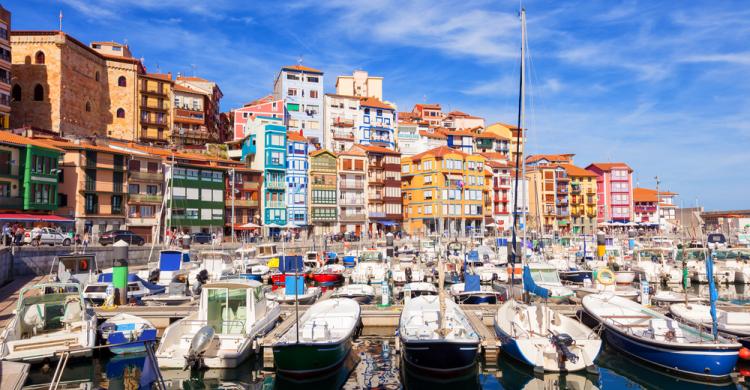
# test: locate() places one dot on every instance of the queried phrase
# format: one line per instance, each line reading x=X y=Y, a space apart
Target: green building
x=197 y=198
x=28 y=174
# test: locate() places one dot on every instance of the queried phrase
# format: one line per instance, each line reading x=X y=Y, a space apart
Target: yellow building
x=154 y=107
x=444 y=189
x=582 y=199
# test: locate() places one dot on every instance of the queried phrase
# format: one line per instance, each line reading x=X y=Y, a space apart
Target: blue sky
x=663 y=86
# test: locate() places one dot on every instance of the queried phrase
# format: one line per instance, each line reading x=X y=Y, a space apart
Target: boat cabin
x=267 y=251
x=371 y=255
x=231 y=307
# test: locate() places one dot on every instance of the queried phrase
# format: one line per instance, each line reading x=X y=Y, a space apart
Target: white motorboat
x=403 y=274
x=222 y=332
x=218 y=264
x=667 y=297
x=177 y=293
x=730 y=323
x=742 y=259
x=370 y=268
x=50 y=318
x=416 y=289
x=362 y=293
x=655 y=265
x=624 y=278
x=627 y=292
x=472 y=293
x=547 y=277
x=96 y=293
x=266 y=252
x=544 y=339
x=287 y=294
x=171 y=263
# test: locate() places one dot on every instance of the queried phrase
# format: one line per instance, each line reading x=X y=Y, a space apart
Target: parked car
x=112 y=236
x=46 y=236
x=201 y=238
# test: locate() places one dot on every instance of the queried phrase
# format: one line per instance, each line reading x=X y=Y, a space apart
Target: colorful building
x=342 y=114
x=301 y=88
x=444 y=190
x=242 y=198
x=360 y=84
x=430 y=113
x=155 y=108
x=267 y=106
x=462 y=140
x=5 y=68
x=323 y=197
x=492 y=140
x=549 y=202
x=352 y=184
x=500 y=190
x=512 y=134
x=383 y=188
x=614 y=191
x=655 y=208
x=377 y=125
x=458 y=120
x=29 y=174
x=265 y=149
x=189 y=118
x=296 y=179
x=582 y=197
x=211 y=95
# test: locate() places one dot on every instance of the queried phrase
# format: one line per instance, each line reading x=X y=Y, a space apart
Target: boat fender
x=605 y=276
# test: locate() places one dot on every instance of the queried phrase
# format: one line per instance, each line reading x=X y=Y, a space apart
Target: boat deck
x=9 y=295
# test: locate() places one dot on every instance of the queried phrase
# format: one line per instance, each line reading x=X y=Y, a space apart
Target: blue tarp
x=472 y=256
x=471 y=283
x=331 y=255
x=350 y=261
x=132 y=278
x=170 y=260
x=530 y=285
x=290 y=264
x=387 y=223
x=294 y=281
x=501 y=241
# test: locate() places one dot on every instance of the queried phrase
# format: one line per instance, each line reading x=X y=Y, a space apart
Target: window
x=134 y=188
x=122 y=81
x=178 y=193
x=38 y=93
x=153 y=167
x=121 y=113
x=312 y=79
x=191 y=213
x=314 y=94
x=152 y=189
x=291 y=92
x=147 y=211
x=96 y=76
x=16 y=93
x=91 y=204
x=88 y=106
x=134 y=165
x=116 y=204
x=292 y=107
x=39 y=58
x=291 y=76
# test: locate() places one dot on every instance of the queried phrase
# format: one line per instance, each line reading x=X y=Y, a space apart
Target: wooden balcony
x=147 y=176
x=144 y=198
x=242 y=203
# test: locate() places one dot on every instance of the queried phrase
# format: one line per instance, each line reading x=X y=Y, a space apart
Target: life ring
x=605 y=280
x=84 y=265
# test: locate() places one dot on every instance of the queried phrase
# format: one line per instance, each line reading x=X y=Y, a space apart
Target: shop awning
x=387 y=223
x=34 y=218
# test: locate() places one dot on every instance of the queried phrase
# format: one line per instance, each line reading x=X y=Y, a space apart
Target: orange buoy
x=744 y=353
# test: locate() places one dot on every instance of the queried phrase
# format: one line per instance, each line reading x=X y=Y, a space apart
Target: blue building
x=265 y=146
x=301 y=88
x=377 y=123
x=297 y=166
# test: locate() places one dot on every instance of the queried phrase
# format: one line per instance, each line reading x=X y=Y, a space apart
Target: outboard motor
x=153 y=277
x=561 y=342
x=407 y=272
x=198 y=346
x=201 y=278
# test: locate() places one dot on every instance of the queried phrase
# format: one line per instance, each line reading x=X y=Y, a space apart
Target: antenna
x=61 y=18
x=299 y=60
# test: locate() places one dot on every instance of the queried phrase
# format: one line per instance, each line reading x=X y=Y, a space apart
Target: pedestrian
x=85 y=241
x=19 y=235
x=168 y=238
x=6 y=234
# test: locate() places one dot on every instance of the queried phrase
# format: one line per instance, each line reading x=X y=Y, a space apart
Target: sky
x=661 y=85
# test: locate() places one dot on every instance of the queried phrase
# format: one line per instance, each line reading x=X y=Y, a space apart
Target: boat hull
x=328 y=279
x=436 y=357
x=575 y=276
x=476 y=299
x=124 y=345
x=306 y=360
x=361 y=299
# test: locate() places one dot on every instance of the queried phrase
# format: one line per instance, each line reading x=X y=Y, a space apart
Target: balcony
x=343 y=135
x=275 y=204
x=150 y=136
x=590 y=201
x=562 y=190
x=147 y=176
x=145 y=198
x=376 y=181
x=154 y=107
x=323 y=218
x=201 y=133
x=275 y=185
x=590 y=191
x=153 y=120
x=352 y=217
x=141 y=221
x=562 y=202
x=242 y=203
x=575 y=189
x=153 y=91
x=377 y=214
x=343 y=123
x=352 y=201
x=352 y=185
x=11 y=202
x=250 y=185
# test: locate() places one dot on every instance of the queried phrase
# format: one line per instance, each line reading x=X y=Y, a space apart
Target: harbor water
x=373 y=363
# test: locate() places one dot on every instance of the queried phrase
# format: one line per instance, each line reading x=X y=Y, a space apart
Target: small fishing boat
x=319 y=341
x=49 y=318
x=370 y=268
x=126 y=333
x=624 y=278
x=647 y=335
x=329 y=274
x=575 y=275
x=416 y=289
x=362 y=293
x=436 y=336
x=545 y=340
x=471 y=292
x=667 y=297
x=221 y=333
x=170 y=264
x=288 y=265
x=546 y=276
x=406 y=274
x=177 y=294
x=266 y=252
x=287 y=295
x=627 y=292
x=218 y=264
x=98 y=292
x=256 y=272
x=730 y=323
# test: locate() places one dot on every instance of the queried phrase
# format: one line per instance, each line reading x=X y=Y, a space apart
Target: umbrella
x=250 y=225
x=289 y=225
x=273 y=225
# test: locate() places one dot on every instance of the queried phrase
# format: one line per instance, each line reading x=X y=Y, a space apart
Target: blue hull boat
x=132 y=346
x=440 y=356
x=126 y=333
x=575 y=276
x=651 y=337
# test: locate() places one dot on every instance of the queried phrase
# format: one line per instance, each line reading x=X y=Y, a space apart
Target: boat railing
x=225 y=324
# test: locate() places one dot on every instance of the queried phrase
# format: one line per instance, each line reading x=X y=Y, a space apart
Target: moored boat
x=126 y=333
x=329 y=274
x=471 y=292
x=362 y=293
x=320 y=341
x=730 y=323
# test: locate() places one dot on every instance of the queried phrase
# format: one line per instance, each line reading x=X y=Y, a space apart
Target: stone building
x=155 y=107
x=5 y=88
x=64 y=86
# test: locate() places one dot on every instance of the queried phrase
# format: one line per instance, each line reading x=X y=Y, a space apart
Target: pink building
x=266 y=106
x=614 y=190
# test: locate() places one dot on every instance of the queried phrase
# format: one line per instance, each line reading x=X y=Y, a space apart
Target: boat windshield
x=49 y=308
x=687 y=255
x=613 y=253
x=371 y=256
x=428 y=244
x=266 y=250
x=732 y=254
x=545 y=276
x=654 y=255
x=226 y=311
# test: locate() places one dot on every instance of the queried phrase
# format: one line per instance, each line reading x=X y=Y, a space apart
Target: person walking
x=85 y=241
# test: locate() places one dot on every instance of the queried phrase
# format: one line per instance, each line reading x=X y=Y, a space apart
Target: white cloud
x=741 y=58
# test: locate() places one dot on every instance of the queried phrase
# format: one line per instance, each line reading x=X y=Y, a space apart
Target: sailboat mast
x=521 y=99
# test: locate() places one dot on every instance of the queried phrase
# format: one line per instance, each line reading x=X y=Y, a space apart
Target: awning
x=454 y=177
x=387 y=223
x=34 y=218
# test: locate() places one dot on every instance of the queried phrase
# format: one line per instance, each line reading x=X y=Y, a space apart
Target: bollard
x=601 y=244
x=120 y=272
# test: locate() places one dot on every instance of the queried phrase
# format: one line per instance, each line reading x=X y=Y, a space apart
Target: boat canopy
x=530 y=285
x=471 y=283
x=291 y=263
x=294 y=285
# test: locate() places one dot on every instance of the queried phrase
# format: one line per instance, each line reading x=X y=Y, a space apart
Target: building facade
x=267 y=106
x=297 y=187
x=352 y=187
x=384 y=211
x=360 y=84
x=655 y=208
x=28 y=174
x=265 y=149
x=189 y=118
x=342 y=114
x=458 y=120
x=443 y=189
x=323 y=195
x=211 y=95
x=155 y=108
x=582 y=195
x=301 y=88
x=242 y=198
x=5 y=68
x=430 y=113
x=549 y=201
x=104 y=101
x=377 y=125
x=614 y=191
x=500 y=192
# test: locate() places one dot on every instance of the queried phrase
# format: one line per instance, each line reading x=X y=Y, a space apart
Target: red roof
x=161 y=76
x=494 y=155
x=294 y=136
x=264 y=99
x=491 y=135
x=641 y=194
x=183 y=88
x=552 y=158
x=440 y=151
x=427 y=134
x=378 y=149
x=374 y=102
x=193 y=78
x=430 y=106
x=573 y=170
x=302 y=68
x=18 y=140
x=606 y=167
x=318 y=152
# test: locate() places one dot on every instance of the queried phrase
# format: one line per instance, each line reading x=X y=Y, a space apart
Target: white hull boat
x=306 y=297
x=665 y=298
x=362 y=293
x=730 y=323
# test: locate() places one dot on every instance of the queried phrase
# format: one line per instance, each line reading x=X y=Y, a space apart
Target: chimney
x=178 y=75
x=170 y=75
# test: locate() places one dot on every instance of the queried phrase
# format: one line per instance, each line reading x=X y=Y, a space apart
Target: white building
x=360 y=84
x=341 y=114
x=301 y=87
